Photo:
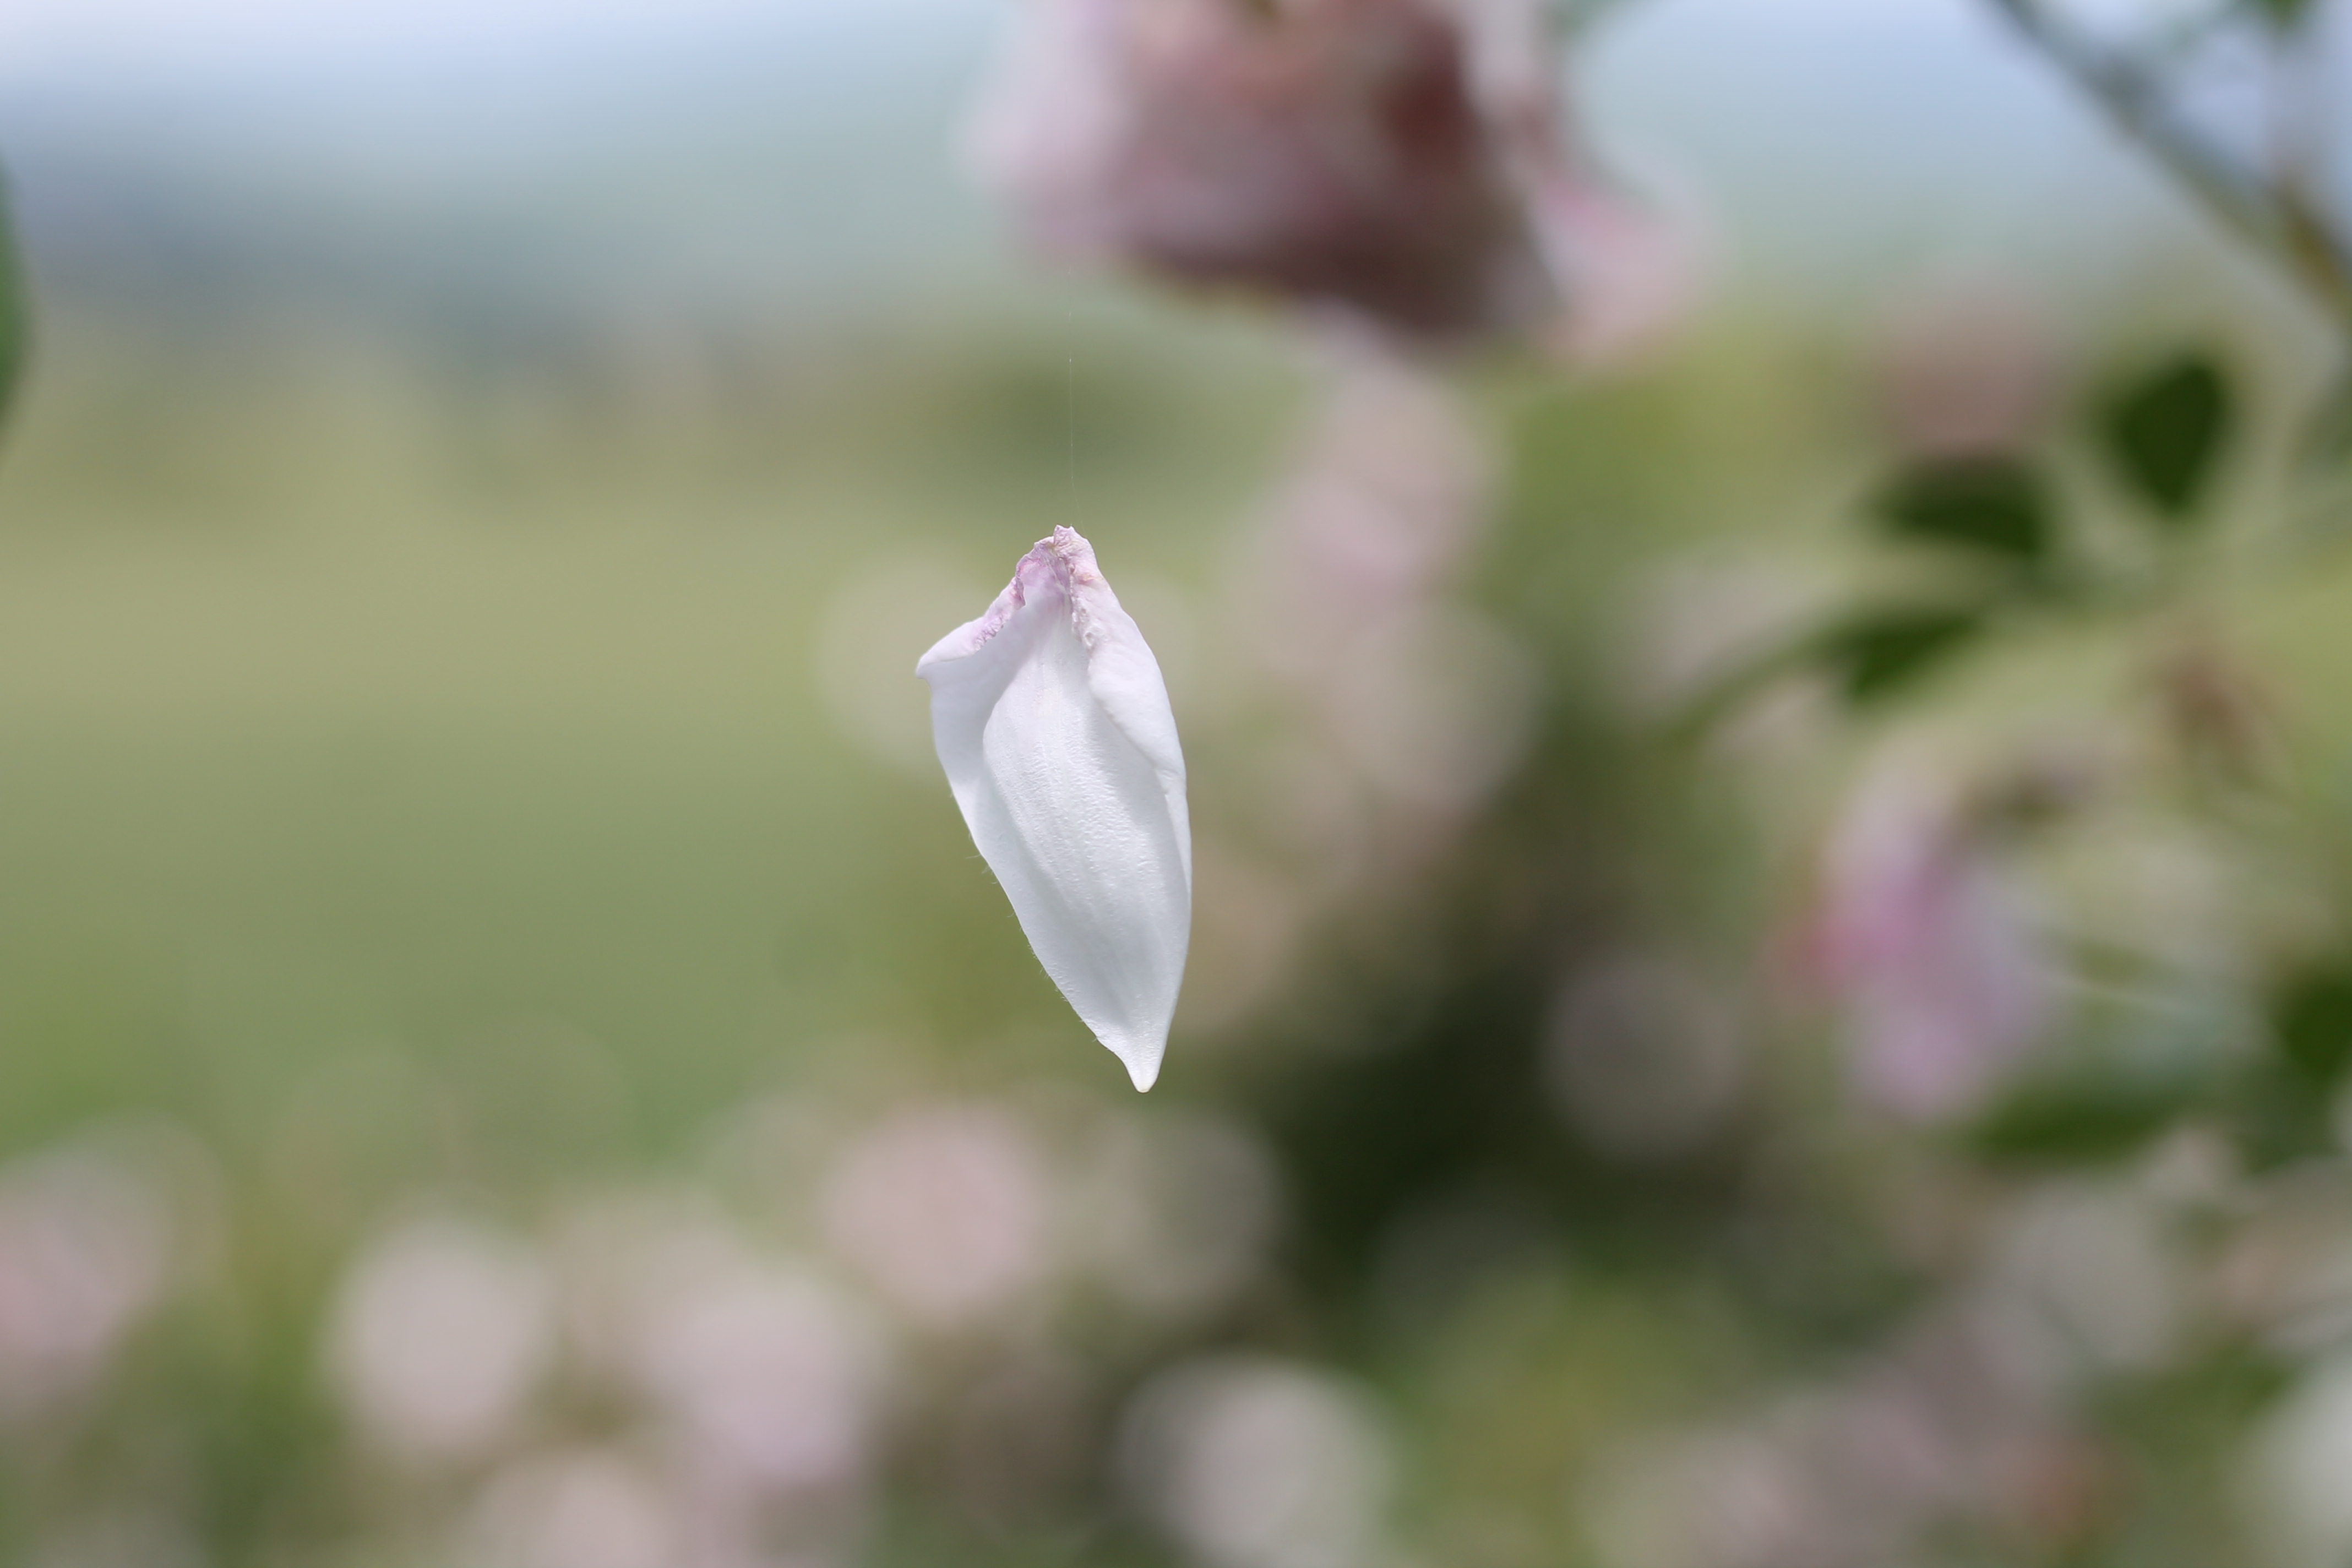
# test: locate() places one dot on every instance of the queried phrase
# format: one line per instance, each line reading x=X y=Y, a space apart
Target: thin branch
x=2280 y=223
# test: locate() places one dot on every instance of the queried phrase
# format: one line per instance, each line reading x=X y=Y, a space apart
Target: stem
x=2279 y=222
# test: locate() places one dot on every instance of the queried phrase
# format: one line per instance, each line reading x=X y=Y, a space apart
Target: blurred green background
x=479 y=494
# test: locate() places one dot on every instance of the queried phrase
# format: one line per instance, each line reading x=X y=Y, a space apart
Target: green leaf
x=1993 y=505
x=2311 y=1021
x=2082 y=1115
x=2165 y=430
x=1879 y=651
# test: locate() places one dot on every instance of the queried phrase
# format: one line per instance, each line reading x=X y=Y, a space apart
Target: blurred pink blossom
x=1399 y=161
x=1951 y=1423
x=944 y=1209
x=1252 y=1462
x=761 y=1383
x=1385 y=500
x=1345 y=599
x=1629 y=271
x=621 y=1257
x=1927 y=944
x=87 y=1244
x=1325 y=149
x=768 y=1375
x=1626 y=271
x=579 y=1509
x=440 y=1336
x=1968 y=373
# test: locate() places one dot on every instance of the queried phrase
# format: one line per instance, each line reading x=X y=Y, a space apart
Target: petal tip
x=1143 y=1073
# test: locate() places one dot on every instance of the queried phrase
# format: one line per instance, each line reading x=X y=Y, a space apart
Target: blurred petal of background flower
x=1929 y=944
x=441 y=1333
x=943 y=1208
x=87 y=1248
x=1341 y=154
x=1254 y=1463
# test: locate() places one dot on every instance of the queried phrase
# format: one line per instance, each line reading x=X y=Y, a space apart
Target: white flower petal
x=1053 y=724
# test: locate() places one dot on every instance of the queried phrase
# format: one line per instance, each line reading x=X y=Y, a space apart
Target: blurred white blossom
x=441 y=1333
x=767 y=1374
x=2095 y=1266
x=577 y=1509
x=1704 y=1500
x=944 y=1209
x=1258 y=1463
x=87 y=1247
x=2295 y=1468
x=1629 y=269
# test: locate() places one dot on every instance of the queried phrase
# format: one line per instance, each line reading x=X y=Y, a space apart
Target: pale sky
x=1919 y=126
x=42 y=37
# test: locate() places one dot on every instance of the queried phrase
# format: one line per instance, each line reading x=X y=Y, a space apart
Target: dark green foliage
x=2283 y=1107
x=2280 y=1118
x=2087 y=1116
x=2311 y=1021
x=1878 y=651
x=2164 y=431
x=1992 y=505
